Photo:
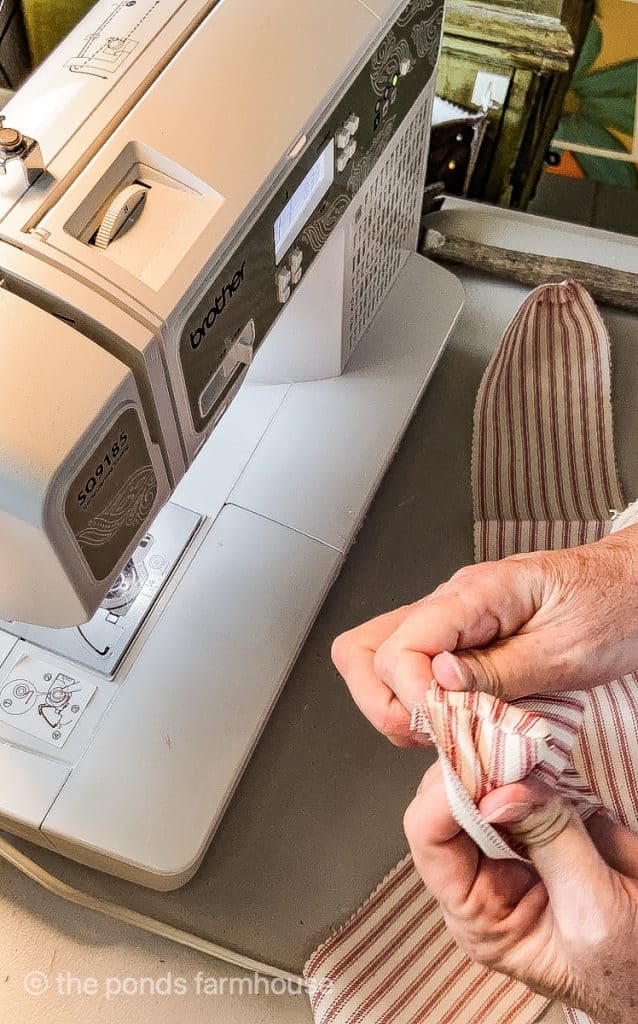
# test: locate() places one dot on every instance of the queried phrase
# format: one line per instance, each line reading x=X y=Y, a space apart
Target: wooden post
x=611 y=287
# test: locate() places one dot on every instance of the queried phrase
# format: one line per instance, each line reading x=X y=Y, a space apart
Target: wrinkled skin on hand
x=533 y=623
x=567 y=925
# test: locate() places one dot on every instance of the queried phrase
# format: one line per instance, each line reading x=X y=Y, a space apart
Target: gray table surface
x=316 y=821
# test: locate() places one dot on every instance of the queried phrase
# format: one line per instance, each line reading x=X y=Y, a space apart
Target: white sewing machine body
x=213 y=176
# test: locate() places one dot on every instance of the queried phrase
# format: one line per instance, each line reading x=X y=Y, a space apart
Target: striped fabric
x=491 y=743
x=544 y=477
x=543 y=465
x=576 y=1017
x=395 y=962
x=485 y=743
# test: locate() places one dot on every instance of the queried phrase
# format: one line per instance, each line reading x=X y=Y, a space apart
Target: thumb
x=509 y=668
x=557 y=843
x=470 y=615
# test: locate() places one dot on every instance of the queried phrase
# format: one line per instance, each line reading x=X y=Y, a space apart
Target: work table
x=316 y=821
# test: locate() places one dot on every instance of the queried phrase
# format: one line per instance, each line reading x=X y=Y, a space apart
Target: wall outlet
x=490 y=90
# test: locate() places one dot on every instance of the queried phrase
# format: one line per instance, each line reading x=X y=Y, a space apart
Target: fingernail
x=420 y=742
x=510 y=813
x=455 y=668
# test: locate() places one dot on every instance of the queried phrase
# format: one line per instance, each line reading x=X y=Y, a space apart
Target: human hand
x=566 y=926
x=533 y=623
x=353 y=654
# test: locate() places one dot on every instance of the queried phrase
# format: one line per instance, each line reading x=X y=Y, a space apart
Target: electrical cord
x=53 y=885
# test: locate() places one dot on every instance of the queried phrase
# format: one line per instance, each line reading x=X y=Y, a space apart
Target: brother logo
x=218 y=307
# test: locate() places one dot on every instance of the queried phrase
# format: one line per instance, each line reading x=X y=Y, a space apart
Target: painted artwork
x=597 y=136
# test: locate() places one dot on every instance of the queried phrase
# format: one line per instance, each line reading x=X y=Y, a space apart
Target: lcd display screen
x=305 y=201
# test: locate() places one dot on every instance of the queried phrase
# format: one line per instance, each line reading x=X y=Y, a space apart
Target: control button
x=157 y=563
x=342 y=138
x=386 y=107
x=405 y=67
x=351 y=150
x=284 y=278
x=393 y=96
x=296 y=260
x=378 y=105
x=342 y=162
x=296 y=275
x=352 y=124
x=242 y=353
x=377 y=121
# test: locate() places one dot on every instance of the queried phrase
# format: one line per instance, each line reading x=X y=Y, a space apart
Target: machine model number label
x=113 y=495
x=118 y=448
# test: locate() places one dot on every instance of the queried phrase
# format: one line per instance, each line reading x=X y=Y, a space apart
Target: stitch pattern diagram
x=42 y=704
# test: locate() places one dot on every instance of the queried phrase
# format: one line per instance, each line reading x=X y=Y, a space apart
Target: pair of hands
x=534 y=623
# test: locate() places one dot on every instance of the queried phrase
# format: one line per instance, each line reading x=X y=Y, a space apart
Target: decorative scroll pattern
x=318 y=232
x=417 y=7
x=426 y=36
x=130 y=507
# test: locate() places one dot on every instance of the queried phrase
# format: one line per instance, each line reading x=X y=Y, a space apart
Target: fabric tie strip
x=484 y=743
x=544 y=477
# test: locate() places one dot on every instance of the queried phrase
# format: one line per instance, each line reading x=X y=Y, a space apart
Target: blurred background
x=537 y=100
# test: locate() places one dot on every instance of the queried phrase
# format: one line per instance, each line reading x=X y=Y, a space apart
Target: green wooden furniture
x=48 y=21
x=536 y=43
x=15 y=62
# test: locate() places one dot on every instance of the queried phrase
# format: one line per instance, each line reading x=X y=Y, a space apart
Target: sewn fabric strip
x=543 y=463
x=485 y=743
x=544 y=477
x=576 y=1017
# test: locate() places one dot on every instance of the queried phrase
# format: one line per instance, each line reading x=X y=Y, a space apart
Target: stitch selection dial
x=123 y=206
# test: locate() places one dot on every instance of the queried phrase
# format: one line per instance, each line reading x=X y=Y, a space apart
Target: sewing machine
x=215 y=329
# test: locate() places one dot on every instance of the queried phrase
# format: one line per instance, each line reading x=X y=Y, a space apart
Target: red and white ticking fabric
x=543 y=464
x=484 y=743
x=544 y=476
x=395 y=962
